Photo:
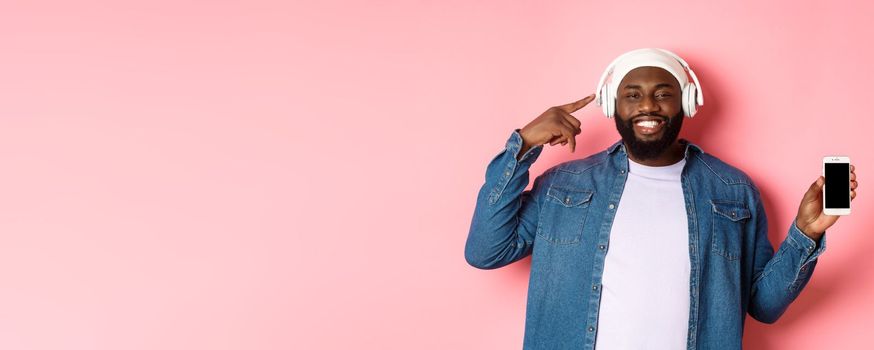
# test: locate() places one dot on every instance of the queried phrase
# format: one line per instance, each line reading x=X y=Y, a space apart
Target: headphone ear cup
x=606 y=102
x=684 y=99
x=690 y=97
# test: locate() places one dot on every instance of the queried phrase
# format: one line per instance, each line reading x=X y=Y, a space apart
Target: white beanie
x=647 y=57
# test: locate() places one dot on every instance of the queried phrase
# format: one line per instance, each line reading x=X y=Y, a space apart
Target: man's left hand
x=811 y=219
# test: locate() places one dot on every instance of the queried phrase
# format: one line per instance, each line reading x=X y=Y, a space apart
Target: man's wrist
x=522 y=150
x=523 y=146
x=806 y=231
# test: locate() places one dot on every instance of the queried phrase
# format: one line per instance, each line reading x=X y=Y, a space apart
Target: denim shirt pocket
x=729 y=218
x=563 y=214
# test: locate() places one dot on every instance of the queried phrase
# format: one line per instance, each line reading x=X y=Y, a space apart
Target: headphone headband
x=601 y=90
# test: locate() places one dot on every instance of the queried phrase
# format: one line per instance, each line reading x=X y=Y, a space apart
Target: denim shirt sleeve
x=780 y=277
x=505 y=217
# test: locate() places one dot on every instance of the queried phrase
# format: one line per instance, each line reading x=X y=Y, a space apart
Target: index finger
x=573 y=106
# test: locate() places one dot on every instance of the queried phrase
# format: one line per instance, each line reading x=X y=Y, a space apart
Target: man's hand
x=556 y=125
x=811 y=219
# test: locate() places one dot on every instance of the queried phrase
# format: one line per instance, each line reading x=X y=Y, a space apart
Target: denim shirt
x=564 y=223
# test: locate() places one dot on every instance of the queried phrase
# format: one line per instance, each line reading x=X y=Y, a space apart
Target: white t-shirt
x=645 y=286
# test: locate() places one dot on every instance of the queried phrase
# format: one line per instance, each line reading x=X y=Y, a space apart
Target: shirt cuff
x=812 y=249
x=514 y=145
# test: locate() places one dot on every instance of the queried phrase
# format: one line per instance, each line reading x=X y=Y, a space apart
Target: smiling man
x=652 y=243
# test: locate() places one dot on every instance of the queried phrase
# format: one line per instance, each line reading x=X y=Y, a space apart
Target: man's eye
x=664 y=96
x=631 y=96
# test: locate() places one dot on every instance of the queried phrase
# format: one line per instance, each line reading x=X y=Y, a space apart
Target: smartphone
x=836 y=192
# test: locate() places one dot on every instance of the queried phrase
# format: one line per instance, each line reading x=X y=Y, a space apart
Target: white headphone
x=692 y=97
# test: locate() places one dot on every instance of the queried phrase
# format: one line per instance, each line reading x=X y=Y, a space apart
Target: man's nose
x=647 y=104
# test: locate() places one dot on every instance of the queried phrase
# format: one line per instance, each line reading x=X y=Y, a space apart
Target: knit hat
x=648 y=57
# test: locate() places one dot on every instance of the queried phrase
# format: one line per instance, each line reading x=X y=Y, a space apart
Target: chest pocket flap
x=734 y=211
x=569 y=197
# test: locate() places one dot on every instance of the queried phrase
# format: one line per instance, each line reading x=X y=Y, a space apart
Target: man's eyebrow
x=660 y=85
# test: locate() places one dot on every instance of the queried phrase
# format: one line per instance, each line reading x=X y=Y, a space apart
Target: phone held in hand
x=836 y=192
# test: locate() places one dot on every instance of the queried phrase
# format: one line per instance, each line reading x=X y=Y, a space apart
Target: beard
x=644 y=150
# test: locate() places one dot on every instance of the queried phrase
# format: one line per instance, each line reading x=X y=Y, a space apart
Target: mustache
x=635 y=118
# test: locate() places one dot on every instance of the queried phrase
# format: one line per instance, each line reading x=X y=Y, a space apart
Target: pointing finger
x=574 y=106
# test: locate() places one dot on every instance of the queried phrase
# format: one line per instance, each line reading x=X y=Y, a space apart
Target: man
x=651 y=243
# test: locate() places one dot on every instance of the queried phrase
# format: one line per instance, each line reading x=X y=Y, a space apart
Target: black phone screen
x=837 y=185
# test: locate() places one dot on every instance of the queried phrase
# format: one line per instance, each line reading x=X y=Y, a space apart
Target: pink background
x=267 y=175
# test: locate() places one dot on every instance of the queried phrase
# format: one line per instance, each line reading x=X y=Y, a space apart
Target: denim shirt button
x=591 y=329
x=622 y=171
x=611 y=206
x=595 y=287
x=567 y=200
x=601 y=247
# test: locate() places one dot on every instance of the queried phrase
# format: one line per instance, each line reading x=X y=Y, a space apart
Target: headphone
x=692 y=97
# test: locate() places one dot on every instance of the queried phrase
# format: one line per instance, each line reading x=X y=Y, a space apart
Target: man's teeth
x=648 y=123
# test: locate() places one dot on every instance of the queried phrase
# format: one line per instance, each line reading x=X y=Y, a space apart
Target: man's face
x=649 y=114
